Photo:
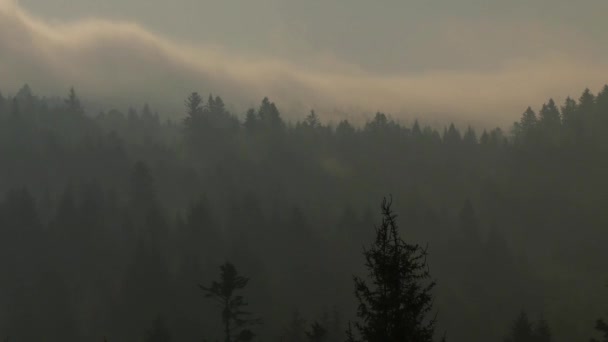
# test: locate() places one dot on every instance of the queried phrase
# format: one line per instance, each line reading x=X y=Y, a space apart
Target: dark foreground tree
x=602 y=327
x=521 y=330
x=317 y=333
x=159 y=332
x=542 y=333
x=395 y=303
x=234 y=318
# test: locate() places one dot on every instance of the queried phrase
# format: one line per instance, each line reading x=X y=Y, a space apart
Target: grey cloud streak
x=123 y=63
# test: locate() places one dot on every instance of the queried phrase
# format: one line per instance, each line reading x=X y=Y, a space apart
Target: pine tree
x=451 y=136
x=269 y=115
x=542 y=333
x=312 y=120
x=602 y=327
x=317 y=333
x=521 y=330
x=585 y=111
x=345 y=129
x=525 y=130
x=485 y=138
x=550 y=122
x=194 y=105
x=234 y=318
x=159 y=332
x=470 y=137
x=296 y=331
x=251 y=120
x=395 y=302
x=73 y=102
x=194 y=113
x=571 y=121
x=549 y=116
x=416 y=131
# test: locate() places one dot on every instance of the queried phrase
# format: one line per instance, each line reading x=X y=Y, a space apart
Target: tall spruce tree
x=234 y=318
x=602 y=327
x=394 y=304
x=317 y=333
x=542 y=333
x=158 y=332
x=521 y=329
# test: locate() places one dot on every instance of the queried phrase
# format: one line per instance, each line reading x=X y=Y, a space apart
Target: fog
x=483 y=71
x=303 y=171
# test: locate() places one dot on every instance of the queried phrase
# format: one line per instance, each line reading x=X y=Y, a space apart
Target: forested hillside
x=110 y=222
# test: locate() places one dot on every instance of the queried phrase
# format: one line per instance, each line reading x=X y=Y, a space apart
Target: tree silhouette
x=521 y=330
x=317 y=333
x=296 y=330
x=73 y=102
x=395 y=306
x=235 y=320
x=194 y=105
x=602 y=327
x=542 y=333
x=158 y=332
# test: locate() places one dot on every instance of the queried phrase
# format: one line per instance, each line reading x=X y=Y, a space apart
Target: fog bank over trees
x=125 y=225
x=116 y=62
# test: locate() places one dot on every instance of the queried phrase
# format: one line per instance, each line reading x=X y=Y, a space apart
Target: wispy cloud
x=122 y=62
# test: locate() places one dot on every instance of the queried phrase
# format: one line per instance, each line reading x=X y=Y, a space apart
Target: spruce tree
x=394 y=304
x=158 y=332
x=234 y=318
x=521 y=330
x=317 y=333
x=602 y=327
x=542 y=333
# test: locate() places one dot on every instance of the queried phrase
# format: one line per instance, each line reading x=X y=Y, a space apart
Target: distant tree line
x=110 y=221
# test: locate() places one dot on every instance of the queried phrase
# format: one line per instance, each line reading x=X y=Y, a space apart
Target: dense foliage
x=109 y=221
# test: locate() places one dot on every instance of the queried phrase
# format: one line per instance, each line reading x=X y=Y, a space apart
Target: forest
x=207 y=225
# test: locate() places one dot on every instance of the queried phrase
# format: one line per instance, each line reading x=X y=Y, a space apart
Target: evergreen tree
x=234 y=318
x=525 y=129
x=521 y=330
x=542 y=333
x=158 y=332
x=194 y=105
x=602 y=327
x=73 y=102
x=269 y=115
x=470 y=138
x=550 y=122
x=395 y=304
x=416 y=132
x=312 y=120
x=586 y=130
x=296 y=331
x=250 y=120
x=549 y=116
x=485 y=138
x=451 y=136
x=317 y=333
x=344 y=129
x=571 y=120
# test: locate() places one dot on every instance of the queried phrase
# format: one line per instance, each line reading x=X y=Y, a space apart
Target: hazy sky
x=463 y=57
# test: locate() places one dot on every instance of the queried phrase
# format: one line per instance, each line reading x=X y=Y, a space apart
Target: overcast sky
x=525 y=50
x=383 y=36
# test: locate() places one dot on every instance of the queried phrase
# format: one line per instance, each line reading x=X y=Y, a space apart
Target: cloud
x=123 y=63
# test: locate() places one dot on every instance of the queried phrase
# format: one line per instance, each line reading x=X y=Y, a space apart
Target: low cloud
x=123 y=63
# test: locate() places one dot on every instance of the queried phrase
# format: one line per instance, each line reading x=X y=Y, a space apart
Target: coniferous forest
x=218 y=226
